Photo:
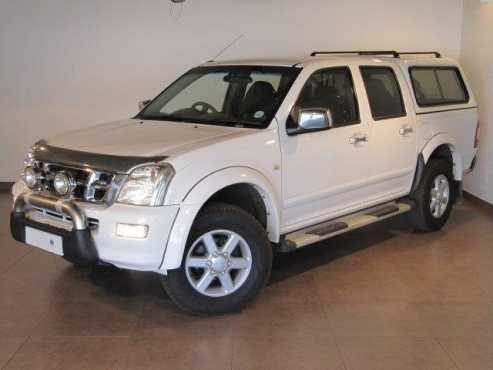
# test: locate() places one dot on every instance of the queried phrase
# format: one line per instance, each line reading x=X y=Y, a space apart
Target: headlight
x=146 y=185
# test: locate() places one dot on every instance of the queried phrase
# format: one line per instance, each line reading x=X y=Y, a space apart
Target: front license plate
x=43 y=240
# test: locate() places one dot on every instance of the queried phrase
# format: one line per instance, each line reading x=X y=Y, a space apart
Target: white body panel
x=204 y=190
x=325 y=176
x=451 y=125
x=303 y=180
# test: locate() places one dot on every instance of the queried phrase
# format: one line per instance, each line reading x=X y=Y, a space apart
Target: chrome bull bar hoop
x=60 y=205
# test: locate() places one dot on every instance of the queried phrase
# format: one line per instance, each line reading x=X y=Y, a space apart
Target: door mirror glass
x=310 y=120
x=143 y=104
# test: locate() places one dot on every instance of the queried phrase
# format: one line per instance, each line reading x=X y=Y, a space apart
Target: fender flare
x=201 y=192
x=444 y=139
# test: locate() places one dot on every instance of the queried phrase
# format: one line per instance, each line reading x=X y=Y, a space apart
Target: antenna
x=227 y=47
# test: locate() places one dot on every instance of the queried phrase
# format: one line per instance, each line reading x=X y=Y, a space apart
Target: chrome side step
x=326 y=230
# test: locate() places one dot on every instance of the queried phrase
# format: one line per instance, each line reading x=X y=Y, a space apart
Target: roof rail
x=435 y=53
x=394 y=53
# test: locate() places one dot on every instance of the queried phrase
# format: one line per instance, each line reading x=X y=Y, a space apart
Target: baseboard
x=6 y=185
x=488 y=207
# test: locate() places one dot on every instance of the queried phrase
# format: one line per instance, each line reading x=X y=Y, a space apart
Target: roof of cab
x=275 y=62
x=305 y=61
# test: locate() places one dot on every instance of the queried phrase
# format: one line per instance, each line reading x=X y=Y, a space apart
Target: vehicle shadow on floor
x=122 y=283
x=325 y=252
x=114 y=284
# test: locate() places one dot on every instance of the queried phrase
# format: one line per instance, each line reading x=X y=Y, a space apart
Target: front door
x=325 y=172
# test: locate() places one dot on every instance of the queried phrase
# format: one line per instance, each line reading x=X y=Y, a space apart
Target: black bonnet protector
x=102 y=162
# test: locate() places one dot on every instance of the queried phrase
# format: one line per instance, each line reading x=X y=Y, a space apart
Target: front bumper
x=78 y=245
x=89 y=231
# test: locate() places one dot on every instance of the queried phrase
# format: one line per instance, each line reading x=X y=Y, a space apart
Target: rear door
x=393 y=137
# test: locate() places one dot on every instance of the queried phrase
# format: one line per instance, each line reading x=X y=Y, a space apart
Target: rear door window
x=438 y=86
x=383 y=92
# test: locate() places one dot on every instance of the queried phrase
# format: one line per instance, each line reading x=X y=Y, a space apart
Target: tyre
x=434 y=196
x=226 y=262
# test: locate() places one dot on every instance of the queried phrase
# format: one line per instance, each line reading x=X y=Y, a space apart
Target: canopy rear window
x=438 y=86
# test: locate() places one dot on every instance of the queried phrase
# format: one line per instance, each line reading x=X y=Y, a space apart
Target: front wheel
x=226 y=262
x=434 y=196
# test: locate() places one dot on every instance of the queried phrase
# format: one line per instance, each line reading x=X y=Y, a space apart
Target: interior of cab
x=331 y=89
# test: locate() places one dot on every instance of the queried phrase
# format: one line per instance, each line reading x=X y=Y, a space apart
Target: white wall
x=65 y=64
x=477 y=60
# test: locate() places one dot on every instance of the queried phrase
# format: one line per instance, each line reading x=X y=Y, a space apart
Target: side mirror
x=143 y=104
x=310 y=120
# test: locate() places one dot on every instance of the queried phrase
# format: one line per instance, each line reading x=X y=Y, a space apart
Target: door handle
x=406 y=130
x=358 y=139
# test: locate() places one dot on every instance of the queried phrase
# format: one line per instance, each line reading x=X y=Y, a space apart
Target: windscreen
x=242 y=96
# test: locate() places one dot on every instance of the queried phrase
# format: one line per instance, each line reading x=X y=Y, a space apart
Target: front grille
x=91 y=185
x=92 y=222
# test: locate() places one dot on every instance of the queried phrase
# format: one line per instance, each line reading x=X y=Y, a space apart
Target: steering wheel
x=203 y=107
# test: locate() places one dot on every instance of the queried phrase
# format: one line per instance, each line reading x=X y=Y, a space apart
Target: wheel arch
x=219 y=186
x=443 y=146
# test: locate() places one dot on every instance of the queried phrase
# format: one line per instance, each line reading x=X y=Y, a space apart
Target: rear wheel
x=226 y=262
x=434 y=196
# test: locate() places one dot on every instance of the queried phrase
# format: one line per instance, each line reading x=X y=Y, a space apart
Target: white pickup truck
x=237 y=160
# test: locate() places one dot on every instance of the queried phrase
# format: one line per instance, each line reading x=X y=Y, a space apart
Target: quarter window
x=384 y=93
x=331 y=89
x=438 y=86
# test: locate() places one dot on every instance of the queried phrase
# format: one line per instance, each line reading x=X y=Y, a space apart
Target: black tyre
x=226 y=262
x=434 y=196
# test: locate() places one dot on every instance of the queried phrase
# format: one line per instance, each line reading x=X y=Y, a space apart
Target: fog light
x=31 y=177
x=64 y=184
x=132 y=231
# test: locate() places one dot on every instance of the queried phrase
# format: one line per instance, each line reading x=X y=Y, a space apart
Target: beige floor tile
x=285 y=352
x=180 y=353
x=379 y=353
x=377 y=319
x=289 y=319
x=470 y=353
x=8 y=347
x=460 y=319
x=161 y=318
x=71 y=353
x=11 y=252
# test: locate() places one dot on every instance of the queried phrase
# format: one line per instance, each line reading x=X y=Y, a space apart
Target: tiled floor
x=379 y=298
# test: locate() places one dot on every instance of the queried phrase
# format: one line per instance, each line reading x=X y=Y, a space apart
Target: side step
x=326 y=230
